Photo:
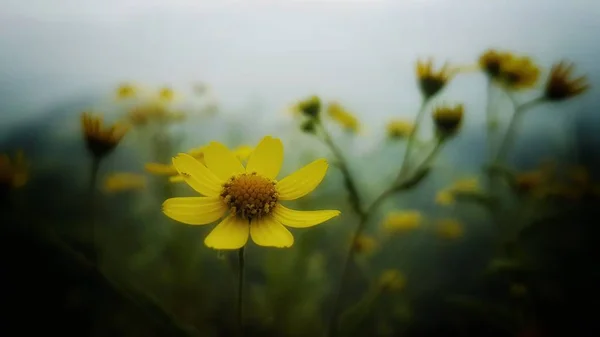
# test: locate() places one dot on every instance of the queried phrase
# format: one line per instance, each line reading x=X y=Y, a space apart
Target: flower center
x=249 y=195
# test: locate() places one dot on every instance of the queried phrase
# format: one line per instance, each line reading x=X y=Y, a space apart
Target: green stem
x=510 y=135
x=349 y=182
x=411 y=138
x=240 y=293
x=92 y=200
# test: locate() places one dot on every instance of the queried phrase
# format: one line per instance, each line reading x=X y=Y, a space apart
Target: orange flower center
x=249 y=195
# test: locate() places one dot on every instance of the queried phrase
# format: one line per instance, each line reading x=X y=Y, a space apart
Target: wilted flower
x=431 y=82
x=449 y=228
x=392 y=280
x=560 y=86
x=402 y=221
x=397 y=129
x=126 y=90
x=448 y=119
x=119 y=182
x=343 y=117
x=248 y=198
x=13 y=173
x=101 y=141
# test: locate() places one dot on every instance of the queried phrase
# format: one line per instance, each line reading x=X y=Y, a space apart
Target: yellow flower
x=519 y=73
x=166 y=94
x=101 y=141
x=449 y=229
x=248 y=199
x=343 y=117
x=310 y=107
x=13 y=173
x=243 y=152
x=126 y=90
x=560 y=86
x=444 y=197
x=492 y=61
x=392 y=280
x=399 y=129
x=402 y=221
x=466 y=185
x=448 y=119
x=431 y=82
x=119 y=182
x=365 y=244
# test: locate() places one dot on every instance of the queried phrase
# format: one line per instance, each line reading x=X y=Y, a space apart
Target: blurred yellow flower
x=445 y=196
x=13 y=173
x=402 y=221
x=101 y=141
x=126 y=90
x=166 y=94
x=397 y=128
x=519 y=73
x=560 y=86
x=310 y=107
x=247 y=198
x=365 y=244
x=431 y=82
x=449 y=229
x=142 y=114
x=392 y=280
x=119 y=182
x=343 y=117
x=447 y=119
x=492 y=61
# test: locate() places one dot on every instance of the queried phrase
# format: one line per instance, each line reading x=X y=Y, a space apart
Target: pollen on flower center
x=249 y=195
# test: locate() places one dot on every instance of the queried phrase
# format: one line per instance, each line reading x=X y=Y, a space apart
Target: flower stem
x=349 y=182
x=92 y=200
x=510 y=135
x=240 y=292
x=411 y=139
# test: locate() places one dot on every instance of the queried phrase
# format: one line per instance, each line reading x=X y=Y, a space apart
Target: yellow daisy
x=248 y=199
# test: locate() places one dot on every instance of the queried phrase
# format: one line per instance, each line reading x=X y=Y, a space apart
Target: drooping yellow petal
x=198 y=176
x=194 y=210
x=301 y=219
x=303 y=181
x=267 y=158
x=231 y=233
x=268 y=232
x=221 y=161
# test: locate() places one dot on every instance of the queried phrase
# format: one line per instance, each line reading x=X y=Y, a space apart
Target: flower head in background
x=402 y=221
x=121 y=182
x=126 y=90
x=392 y=280
x=166 y=95
x=518 y=73
x=364 y=244
x=399 y=129
x=561 y=86
x=101 y=140
x=14 y=172
x=310 y=107
x=449 y=229
x=343 y=117
x=247 y=198
x=492 y=62
x=448 y=119
x=445 y=196
x=430 y=81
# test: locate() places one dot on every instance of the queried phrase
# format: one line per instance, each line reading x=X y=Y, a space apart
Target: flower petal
x=303 y=181
x=231 y=233
x=267 y=158
x=269 y=232
x=302 y=219
x=194 y=210
x=198 y=176
x=221 y=161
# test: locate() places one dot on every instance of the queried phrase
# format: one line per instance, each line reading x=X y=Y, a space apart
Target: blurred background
x=235 y=71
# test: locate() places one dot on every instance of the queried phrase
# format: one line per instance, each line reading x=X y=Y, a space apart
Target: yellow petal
x=197 y=175
x=221 y=161
x=176 y=179
x=267 y=158
x=194 y=210
x=301 y=219
x=269 y=232
x=303 y=181
x=231 y=233
x=156 y=168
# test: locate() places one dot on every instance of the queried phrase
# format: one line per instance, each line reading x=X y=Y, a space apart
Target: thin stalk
x=510 y=135
x=333 y=326
x=411 y=138
x=240 y=293
x=92 y=200
x=349 y=182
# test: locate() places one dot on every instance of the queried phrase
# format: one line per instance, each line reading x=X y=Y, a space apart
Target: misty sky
x=273 y=52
